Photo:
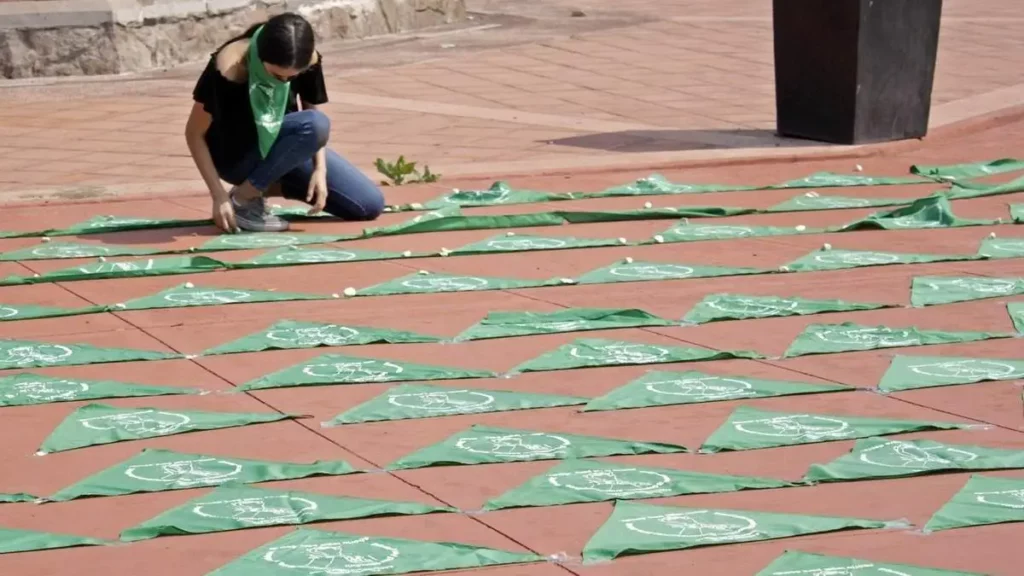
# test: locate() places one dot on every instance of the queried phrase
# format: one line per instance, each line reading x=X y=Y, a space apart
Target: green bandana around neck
x=268 y=97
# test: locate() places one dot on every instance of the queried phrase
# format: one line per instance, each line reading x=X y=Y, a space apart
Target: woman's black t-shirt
x=232 y=132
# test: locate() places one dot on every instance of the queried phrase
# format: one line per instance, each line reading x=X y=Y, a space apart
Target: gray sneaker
x=252 y=215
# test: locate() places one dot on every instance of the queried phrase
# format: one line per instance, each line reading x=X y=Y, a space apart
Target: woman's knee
x=314 y=125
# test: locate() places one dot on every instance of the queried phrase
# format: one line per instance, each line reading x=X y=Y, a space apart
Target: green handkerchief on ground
x=670 y=388
x=237 y=507
x=935 y=290
x=637 y=271
x=332 y=369
x=930 y=212
x=160 y=470
x=62 y=250
x=528 y=243
x=187 y=295
x=983 y=501
x=511 y=324
x=849 y=337
x=290 y=335
x=597 y=352
x=95 y=424
x=752 y=429
x=305 y=550
x=716 y=307
x=487 y=445
x=636 y=528
x=28 y=354
x=410 y=401
x=967 y=171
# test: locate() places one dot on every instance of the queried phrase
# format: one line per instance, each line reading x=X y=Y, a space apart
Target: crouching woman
x=255 y=124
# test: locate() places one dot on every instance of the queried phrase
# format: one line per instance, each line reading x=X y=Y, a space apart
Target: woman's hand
x=317 y=193
x=224 y=213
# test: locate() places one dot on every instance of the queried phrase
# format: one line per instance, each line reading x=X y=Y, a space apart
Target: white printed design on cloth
x=142 y=422
x=478 y=197
x=258 y=240
x=831 y=202
x=849 y=570
x=358 y=371
x=45 y=391
x=703 y=389
x=111 y=267
x=41 y=354
x=969 y=369
x=898 y=454
x=8 y=312
x=312 y=256
x=697 y=231
x=618 y=483
x=697 y=526
x=444 y=402
x=330 y=335
x=1002 y=498
x=856 y=258
x=1008 y=246
x=69 y=251
x=651 y=271
x=342 y=558
x=805 y=427
x=516 y=446
x=121 y=221
x=758 y=307
x=620 y=353
x=980 y=285
x=208 y=297
x=514 y=243
x=186 y=473
x=446 y=284
x=258 y=511
x=867 y=338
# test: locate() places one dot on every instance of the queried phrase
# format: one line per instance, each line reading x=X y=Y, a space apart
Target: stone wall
x=89 y=37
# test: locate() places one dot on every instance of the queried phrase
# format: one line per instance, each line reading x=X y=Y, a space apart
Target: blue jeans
x=350 y=194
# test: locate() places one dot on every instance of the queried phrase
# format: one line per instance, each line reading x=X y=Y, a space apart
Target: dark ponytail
x=287 y=41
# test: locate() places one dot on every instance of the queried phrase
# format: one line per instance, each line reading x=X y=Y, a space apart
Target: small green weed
x=401 y=172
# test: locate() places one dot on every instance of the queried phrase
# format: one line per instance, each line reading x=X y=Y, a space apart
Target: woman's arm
x=195 y=135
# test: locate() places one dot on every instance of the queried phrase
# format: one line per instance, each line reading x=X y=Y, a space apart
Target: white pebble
x=629 y=260
x=45 y=239
x=991 y=234
x=858 y=168
x=189 y=285
x=648 y=205
x=826 y=246
x=35 y=275
x=389 y=208
x=349 y=291
x=623 y=241
x=102 y=258
x=783 y=268
x=455 y=190
x=41 y=453
x=659 y=239
x=568 y=281
x=191 y=248
x=445 y=251
x=423 y=272
x=812 y=194
x=407 y=253
x=416 y=206
x=120 y=305
x=275 y=206
x=335 y=295
x=800 y=227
